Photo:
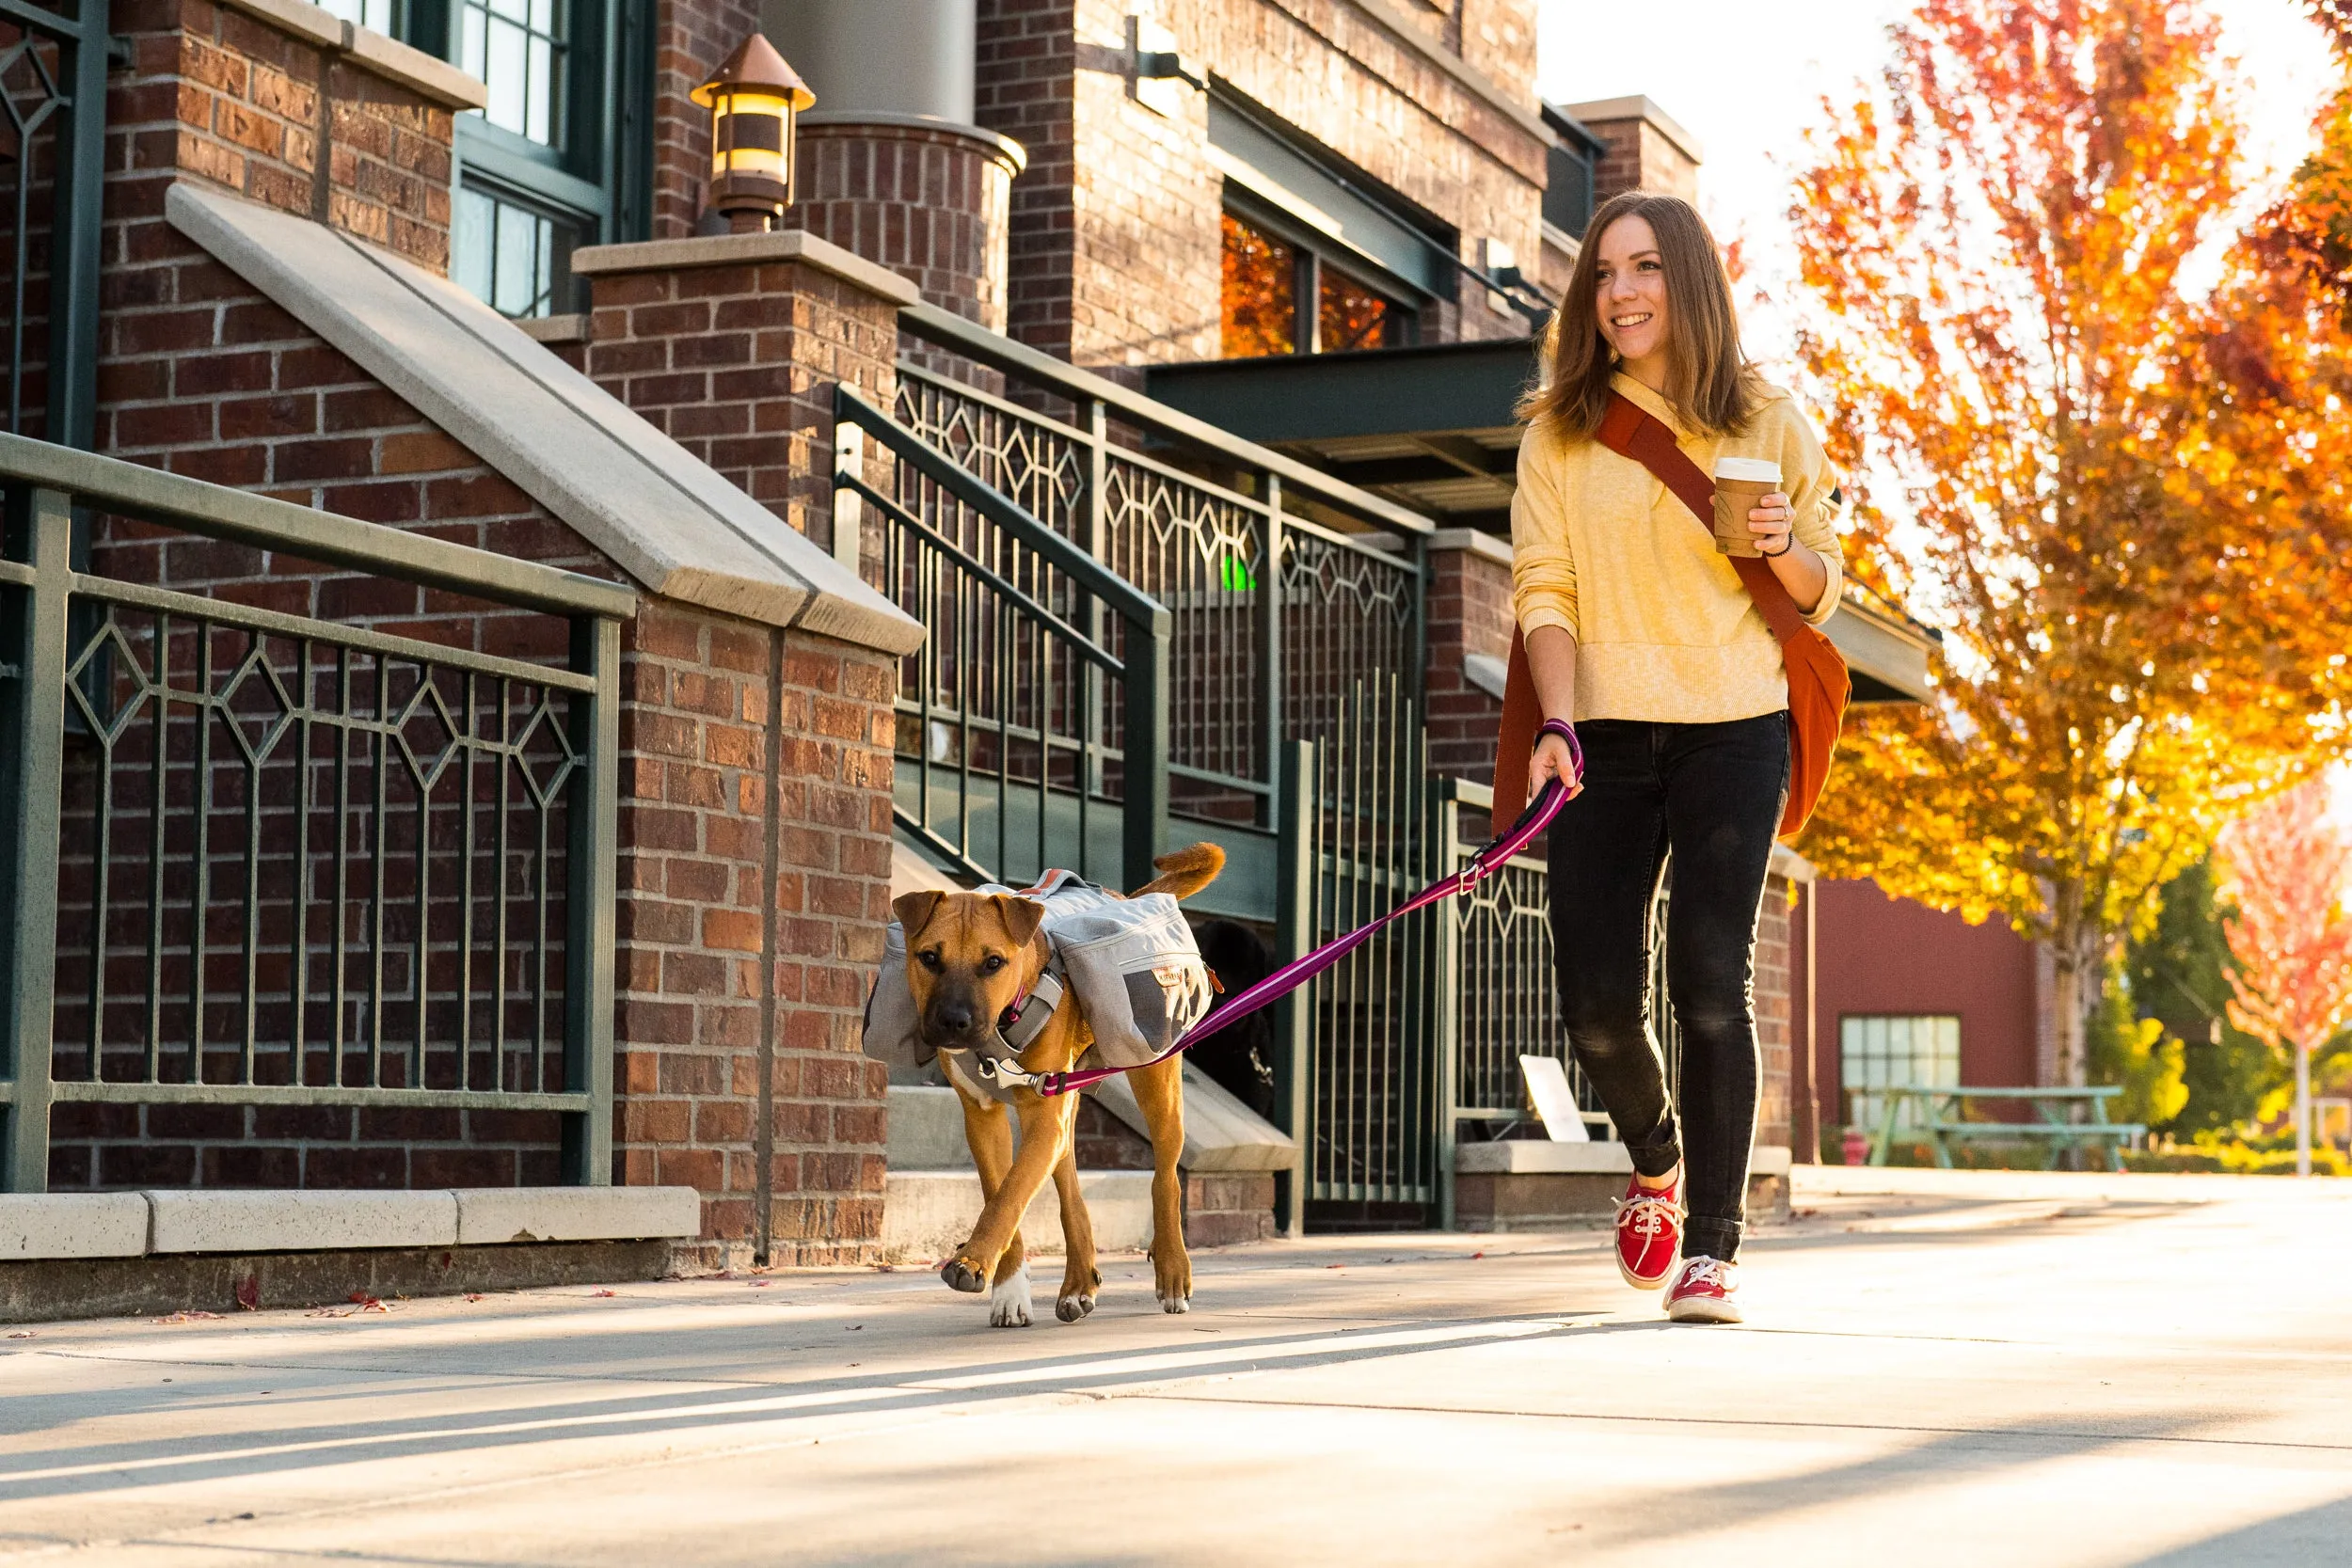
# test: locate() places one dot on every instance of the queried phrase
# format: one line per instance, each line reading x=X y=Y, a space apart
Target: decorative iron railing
x=1032 y=722
x=53 y=117
x=1363 y=1072
x=259 y=859
x=1502 y=960
x=1202 y=522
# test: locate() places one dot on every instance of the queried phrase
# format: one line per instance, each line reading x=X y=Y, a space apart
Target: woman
x=1645 y=648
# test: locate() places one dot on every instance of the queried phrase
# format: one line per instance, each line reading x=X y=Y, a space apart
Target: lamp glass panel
x=748 y=134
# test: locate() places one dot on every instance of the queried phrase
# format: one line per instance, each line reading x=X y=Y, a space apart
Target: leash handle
x=1284 y=981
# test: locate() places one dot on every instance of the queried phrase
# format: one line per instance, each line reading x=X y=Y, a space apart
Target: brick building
x=450 y=272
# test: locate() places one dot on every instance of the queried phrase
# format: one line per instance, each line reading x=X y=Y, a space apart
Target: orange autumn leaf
x=2116 y=491
x=2286 y=867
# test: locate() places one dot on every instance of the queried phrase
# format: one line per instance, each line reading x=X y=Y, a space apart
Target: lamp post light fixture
x=752 y=96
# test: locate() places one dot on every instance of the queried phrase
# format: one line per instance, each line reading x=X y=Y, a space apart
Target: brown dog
x=970 y=956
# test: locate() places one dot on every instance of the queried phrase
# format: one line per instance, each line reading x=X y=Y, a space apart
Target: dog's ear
x=913 y=910
x=1022 y=917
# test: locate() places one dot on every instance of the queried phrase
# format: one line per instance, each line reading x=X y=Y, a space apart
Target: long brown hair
x=1709 y=381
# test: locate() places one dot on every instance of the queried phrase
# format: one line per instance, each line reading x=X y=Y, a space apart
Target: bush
x=2212 y=1151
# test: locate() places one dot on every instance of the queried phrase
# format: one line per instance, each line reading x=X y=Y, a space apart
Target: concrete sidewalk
x=1939 y=1368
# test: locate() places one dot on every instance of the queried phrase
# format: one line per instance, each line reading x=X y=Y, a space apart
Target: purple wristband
x=1566 y=731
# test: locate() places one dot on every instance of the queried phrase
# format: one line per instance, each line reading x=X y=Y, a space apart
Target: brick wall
x=690 y=39
x=1773 y=1032
x=201 y=376
x=732 y=350
x=1025 y=87
x=694 y=788
x=933 y=204
x=1637 y=154
x=1116 y=243
x=1469 y=612
x=218 y=95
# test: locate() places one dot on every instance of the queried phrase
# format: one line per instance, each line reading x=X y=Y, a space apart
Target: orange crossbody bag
x=1819 y=684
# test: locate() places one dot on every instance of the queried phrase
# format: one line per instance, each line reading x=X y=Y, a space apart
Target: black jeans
x=1711 y=793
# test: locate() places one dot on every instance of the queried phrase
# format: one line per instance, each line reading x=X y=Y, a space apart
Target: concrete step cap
x=72 y=1225
x=204 y=1221
x=490 y=1215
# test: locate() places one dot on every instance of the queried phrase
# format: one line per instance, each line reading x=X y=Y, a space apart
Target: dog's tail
x=1186 y=871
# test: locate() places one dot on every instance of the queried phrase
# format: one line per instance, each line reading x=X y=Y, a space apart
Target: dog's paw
x=1008 y=1303
x=1172 y=1281
x=961 y=1276
x=1071 y=1309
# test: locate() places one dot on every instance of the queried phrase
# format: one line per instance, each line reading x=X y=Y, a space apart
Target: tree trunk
x=2073 y=992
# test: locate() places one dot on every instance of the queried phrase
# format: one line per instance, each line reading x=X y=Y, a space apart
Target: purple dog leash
x=1292 y=975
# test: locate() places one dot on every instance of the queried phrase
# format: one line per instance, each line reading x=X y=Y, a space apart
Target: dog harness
x=1132 y=963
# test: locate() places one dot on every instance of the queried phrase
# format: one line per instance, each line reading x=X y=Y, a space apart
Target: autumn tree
x=2287 y=866
x=2022 y=384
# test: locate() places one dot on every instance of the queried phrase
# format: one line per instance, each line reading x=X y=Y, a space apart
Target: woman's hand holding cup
x=1769 y=521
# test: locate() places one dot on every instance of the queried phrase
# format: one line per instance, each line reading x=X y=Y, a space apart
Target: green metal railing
x=1286 y=586
x=257 y=858
x=53 y=93
x=1033 y=720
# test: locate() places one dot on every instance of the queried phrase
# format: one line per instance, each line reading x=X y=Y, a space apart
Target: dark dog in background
x=1241 y=1058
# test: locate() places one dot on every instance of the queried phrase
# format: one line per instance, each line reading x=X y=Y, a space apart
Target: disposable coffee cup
x=1740 y=483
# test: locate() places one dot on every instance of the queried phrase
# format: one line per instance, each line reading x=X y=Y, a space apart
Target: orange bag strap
x=1632 y=431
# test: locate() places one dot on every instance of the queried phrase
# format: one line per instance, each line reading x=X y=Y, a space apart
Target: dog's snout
x=955 y=1017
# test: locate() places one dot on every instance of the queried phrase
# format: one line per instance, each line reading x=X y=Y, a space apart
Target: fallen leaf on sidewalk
x=1476 y=1256
x=473 y=1295
x=366 y=1303
x=20 y=1334
x=603 y=1292
x=190 y=1316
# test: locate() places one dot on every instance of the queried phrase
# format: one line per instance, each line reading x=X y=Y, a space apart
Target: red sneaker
x=1704 y=1292
x=1649 y=1232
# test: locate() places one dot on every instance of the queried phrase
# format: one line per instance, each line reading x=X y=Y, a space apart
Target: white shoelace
x=1649 y=1213
x=1706 y=1271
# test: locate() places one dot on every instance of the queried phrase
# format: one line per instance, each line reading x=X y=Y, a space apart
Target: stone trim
x=1790 y=867
x=419 y=72
x=554 y=329
x=1386 y=13
x=667 y=519
x=737 y=251
x=1639 y=107
x=1014 y=155
x=1530 y=1156
x=168 y=1222
x=1477 y=541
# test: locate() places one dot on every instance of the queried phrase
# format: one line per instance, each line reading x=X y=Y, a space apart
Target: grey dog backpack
x=1130 y=964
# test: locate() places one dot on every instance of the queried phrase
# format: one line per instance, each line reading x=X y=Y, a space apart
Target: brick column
x=1644 y=148
x=1469 y=615
x=732 y=344
x=284 y=104
x=929 y=201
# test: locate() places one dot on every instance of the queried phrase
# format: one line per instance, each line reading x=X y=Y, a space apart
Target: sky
x=1746 y=78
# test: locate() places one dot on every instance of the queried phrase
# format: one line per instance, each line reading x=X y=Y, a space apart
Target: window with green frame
x=561 y=157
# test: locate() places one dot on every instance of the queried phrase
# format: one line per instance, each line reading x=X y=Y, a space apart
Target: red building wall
x=1882 y=955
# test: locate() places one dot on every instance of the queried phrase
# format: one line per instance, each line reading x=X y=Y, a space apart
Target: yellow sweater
x=1664 y=629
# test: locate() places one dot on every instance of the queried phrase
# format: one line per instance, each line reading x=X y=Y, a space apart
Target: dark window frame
x=1315 y=252
x=599 y=178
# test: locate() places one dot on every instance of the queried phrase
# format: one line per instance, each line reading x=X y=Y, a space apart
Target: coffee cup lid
x=1753 y=469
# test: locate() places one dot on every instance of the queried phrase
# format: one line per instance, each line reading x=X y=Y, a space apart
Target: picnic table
x=2053 y=1110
